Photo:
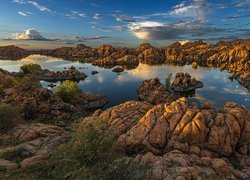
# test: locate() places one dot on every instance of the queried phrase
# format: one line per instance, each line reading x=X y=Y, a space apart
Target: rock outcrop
x=12 y=53
x=51 y=76
x=153 y=92
x=36 y=142
x=36 y=102
x=181 y=140
x=185 y=83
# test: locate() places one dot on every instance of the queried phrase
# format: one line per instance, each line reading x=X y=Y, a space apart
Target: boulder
x=153 y=92
x=185 y=83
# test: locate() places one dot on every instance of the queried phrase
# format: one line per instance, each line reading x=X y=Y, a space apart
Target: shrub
x=6 y=81
x=30 y=68
x=92 y=153
x=68 y=91
x=168 y=80
x=27 y=83
x=9 y=117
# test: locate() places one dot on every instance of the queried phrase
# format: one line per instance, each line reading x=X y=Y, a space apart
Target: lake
x=218 y=88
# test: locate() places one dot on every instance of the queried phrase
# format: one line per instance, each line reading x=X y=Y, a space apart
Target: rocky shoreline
x=176 y=139
x=233 y=56
x=37 y=102
x=182 y=140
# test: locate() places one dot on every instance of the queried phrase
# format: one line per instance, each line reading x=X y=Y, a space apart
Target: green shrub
x=9 y=117
x=92 y=153
x=30 y=68
x=19 y=74
x=68 y=91
x=168 y=80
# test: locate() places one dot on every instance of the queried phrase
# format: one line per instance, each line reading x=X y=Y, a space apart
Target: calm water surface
x=218 y=89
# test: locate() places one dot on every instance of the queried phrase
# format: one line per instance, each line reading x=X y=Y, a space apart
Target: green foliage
x=168 y=80
x=92 y=153
x=19 y=74
x=234 y=161
x=68 y=91
x=9 y=117
x=30 y=68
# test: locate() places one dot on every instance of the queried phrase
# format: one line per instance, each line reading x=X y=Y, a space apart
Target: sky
x=48 y=24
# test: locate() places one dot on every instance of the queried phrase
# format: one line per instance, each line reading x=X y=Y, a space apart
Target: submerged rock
x=118 y=70
x=94 y=72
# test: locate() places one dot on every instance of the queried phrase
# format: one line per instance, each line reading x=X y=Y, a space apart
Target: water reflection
x=218 y=89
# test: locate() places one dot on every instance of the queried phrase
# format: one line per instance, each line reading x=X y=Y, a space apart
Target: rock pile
x=185 y=83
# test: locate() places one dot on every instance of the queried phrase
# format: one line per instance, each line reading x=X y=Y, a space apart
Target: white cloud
x=30 y=34
x=243 y=5
x=19 y=1
x=97 y=16
x=196 y=9
x=24 y=13
x=75 y=15
x=41 y=8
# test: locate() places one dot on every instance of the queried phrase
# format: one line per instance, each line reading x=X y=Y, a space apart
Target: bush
x=6 y=81
x=92 y=153
x=27 y=83
x=68 y=91
x=168 y=80
x=30 y=68
x=9 y=117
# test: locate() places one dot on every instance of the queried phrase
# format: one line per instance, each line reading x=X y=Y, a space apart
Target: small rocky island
x=185 y=83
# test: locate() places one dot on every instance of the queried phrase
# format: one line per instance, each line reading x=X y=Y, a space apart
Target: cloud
x=103 y=29
x=95 y=5
x=186 y=20
x=243 y=5
x=19 y=1
x=235 y=17
x=83 y=39
x=152 y=30
x=97 y=16
x=120 y=28
x=75 y=15
x=123 y=18
x=24 y=13
x=194 y=8
x=31 y=34
x=39 y=7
